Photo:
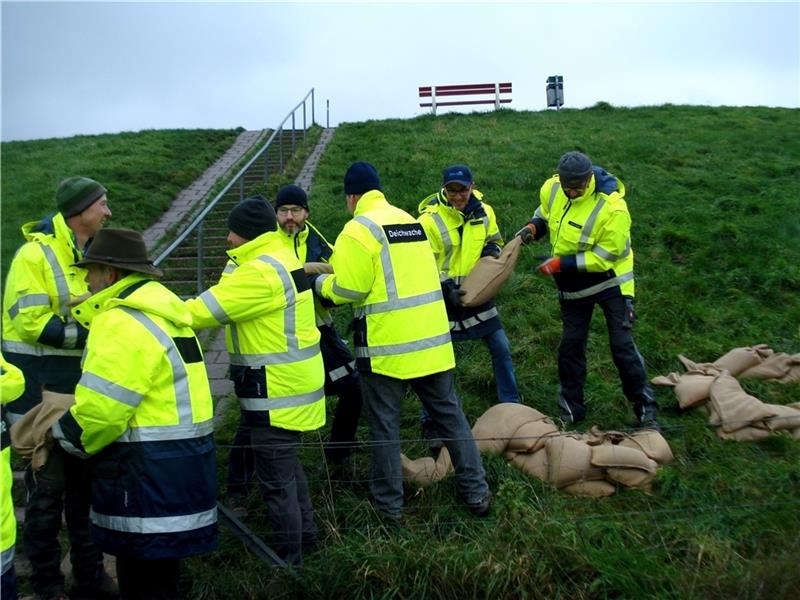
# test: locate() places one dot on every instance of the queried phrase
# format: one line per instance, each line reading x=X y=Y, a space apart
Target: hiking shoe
x=482 y=507
x=431 y=436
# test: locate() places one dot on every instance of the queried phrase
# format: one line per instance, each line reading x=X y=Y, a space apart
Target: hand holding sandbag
x=527 y=233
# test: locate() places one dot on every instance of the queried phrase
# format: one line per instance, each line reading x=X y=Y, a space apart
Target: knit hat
x=252 y=217
x=457 y=174
x=291 y=194
x=360 y=178
x=120 y=248
x=76 y=194
x=574 y=168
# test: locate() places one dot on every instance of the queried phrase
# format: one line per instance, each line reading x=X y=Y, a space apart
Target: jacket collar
x=371 y=200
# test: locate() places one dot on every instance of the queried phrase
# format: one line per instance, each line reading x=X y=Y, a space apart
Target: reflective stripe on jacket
x=595 y=229
x=143 y=410
x=12 y=385
x=271 y=335
x=384 y=267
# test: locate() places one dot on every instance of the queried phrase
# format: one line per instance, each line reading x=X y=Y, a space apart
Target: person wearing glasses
x=461 y=229
x=583 y=209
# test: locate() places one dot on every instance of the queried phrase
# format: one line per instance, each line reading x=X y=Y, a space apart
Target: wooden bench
x=448 y=91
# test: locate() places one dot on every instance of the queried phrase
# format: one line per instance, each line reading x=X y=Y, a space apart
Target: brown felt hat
x=120 y=248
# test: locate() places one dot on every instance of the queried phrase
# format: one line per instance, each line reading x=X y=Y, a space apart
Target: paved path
x=189 y=198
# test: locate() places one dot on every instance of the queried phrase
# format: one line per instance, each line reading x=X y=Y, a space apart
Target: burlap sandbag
x=616 y=455
x=630 y=477
x=530 y=436
x=780 y=367
x=29 y=435
x=489 y=274
x=425 y=471
x=652 y=443
x=314 y=268
x=592 y=489
x=745 y=434
x=692 y=389
x=786 y=417
x=733 y=407
x=499 y=423
x=569 y=460
x=533 y=464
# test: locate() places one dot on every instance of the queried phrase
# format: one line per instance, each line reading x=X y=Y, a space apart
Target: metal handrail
x=238 y=178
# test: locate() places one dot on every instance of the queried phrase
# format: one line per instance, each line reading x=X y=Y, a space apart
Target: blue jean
x=382 y=397
x=504 y=377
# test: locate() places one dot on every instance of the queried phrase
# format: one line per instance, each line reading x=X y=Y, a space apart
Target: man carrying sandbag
x=461 y=229
x=584 y=210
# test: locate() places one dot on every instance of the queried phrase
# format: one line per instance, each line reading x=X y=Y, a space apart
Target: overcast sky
x=102 y=67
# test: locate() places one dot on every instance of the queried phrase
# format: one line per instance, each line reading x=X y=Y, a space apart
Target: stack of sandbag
x=734 y=413
x=589 y=464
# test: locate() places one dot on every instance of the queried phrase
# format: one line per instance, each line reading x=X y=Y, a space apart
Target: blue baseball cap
x=457 y=174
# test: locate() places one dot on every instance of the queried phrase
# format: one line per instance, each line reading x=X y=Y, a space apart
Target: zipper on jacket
x=561 y=222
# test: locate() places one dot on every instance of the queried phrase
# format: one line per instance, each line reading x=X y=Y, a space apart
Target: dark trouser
x=285 y=490
x=576 y=316
x=342 y=380
x=8 y=584
x=148 y=579
x=62 y=484
x=241 y=462
x=382 y=396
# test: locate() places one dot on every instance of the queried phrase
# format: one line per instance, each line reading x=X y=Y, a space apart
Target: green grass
x=712 y=193
x=143 y=172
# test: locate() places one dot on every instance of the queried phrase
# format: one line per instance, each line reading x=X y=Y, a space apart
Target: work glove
x=491 y=249
x=452 y=292
x=526 y=233
x=551 y=266
x=630 y=315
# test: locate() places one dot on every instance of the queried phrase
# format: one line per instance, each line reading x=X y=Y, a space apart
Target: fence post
x=496 y=96
x=433 y=99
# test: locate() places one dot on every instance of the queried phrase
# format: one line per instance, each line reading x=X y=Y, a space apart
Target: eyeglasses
x=295 y=210
x=457 y=190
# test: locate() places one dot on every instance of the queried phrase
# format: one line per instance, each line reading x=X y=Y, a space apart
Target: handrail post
x=304 y=121
x=313 y=101
x=241 y=188
x=328 y=113
x=280 y=149
x=293 y=129
x=200 y=252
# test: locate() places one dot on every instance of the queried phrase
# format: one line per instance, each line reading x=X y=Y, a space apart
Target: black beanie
x=252 y=217
x=76 y=194
x=574 y=168
x=360 y=178
x=292 y=194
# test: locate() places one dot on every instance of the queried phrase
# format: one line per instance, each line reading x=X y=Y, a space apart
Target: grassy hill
x=143 y=172
x=712 y=193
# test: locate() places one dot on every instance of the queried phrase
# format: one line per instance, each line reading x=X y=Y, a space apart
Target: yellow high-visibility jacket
x=384 y=267
x=265 y=300
x=12 y=383
x=592 y=234
x=41 y=284
x=143 y=411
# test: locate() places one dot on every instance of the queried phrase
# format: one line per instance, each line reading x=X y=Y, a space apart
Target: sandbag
x=569 y=460
x=652 y=443
x=740 y=359
x=692 y=389
x=489 y=275
x=631 y=477
x=530 y=437
x=779 y=366
x=533 y=464
x=616 y=455
x=592 y=489
x=499 y=424
x=786 y=417
x=733 y=407
x=745 y=434
x=314 y=268
x=30 y=434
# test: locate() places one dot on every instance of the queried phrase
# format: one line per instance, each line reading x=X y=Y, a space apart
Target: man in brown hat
x=143 y=411
x=41 y=338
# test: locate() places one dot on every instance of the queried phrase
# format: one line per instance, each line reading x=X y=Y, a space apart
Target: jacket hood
x=256 y=247
x=606 y=183
x=434 y=201
x=51 y=225
x=139 y=292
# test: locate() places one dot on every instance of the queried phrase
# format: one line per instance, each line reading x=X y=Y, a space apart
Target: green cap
x=76 y=194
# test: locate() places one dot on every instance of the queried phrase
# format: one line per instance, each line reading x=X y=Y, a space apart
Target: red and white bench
x=494 y=93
